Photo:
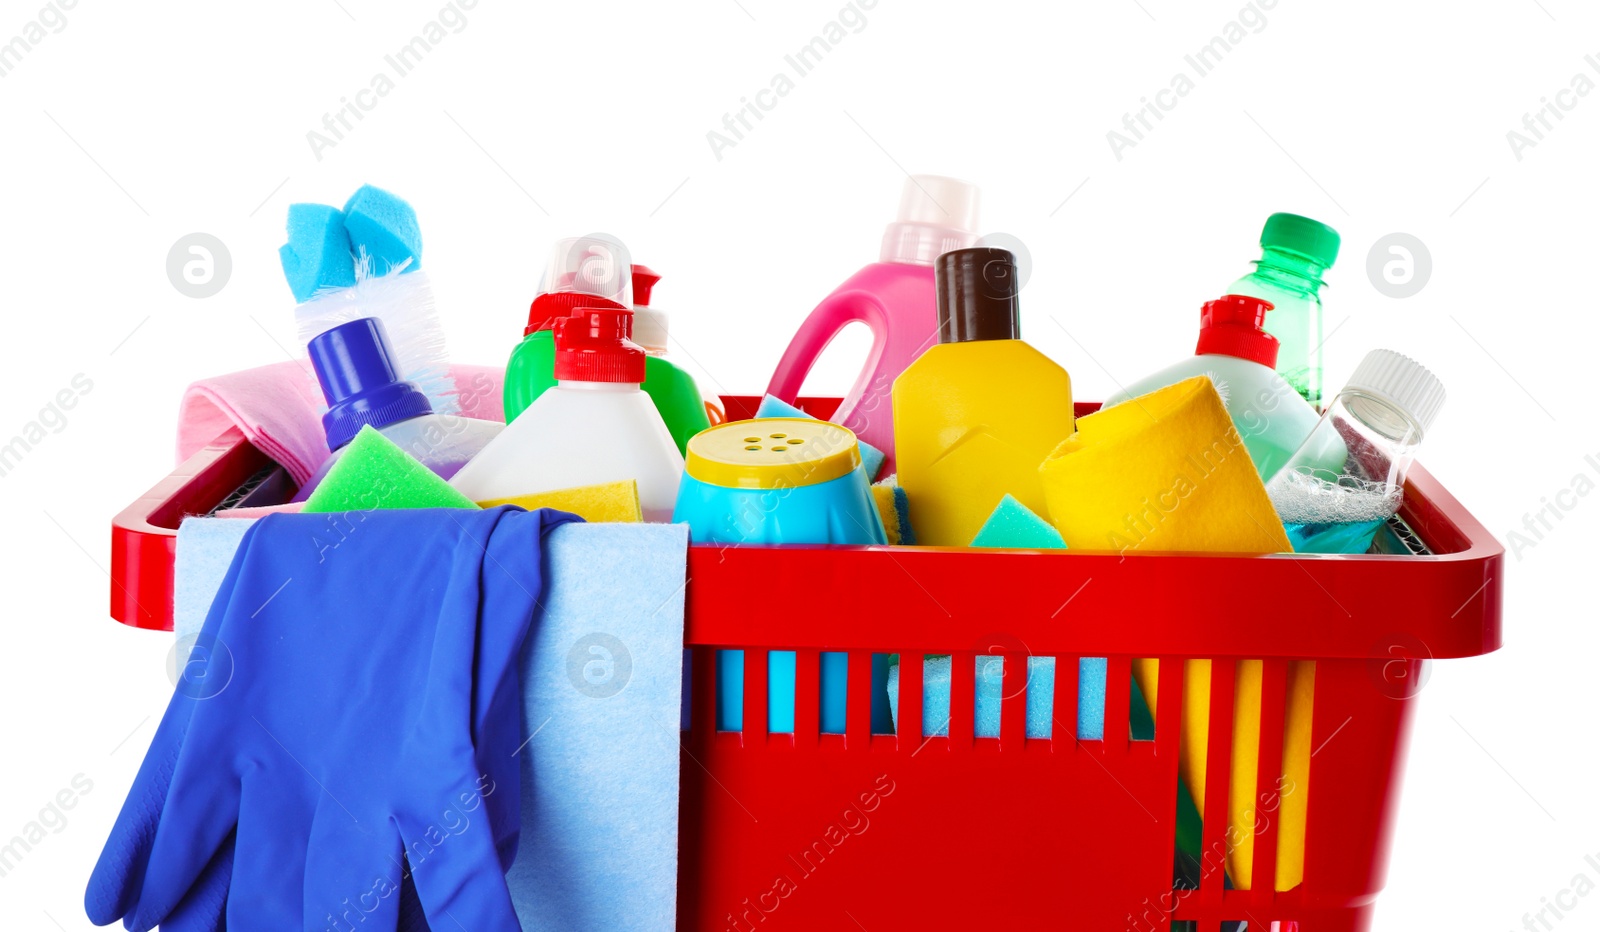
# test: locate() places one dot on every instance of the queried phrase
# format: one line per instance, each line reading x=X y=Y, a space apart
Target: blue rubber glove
x=344 y=730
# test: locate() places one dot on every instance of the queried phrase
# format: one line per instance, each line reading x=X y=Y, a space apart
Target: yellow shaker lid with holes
x=772 y=453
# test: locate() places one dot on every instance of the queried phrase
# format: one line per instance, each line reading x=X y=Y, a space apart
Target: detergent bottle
x=595 y=426
x=1238 y=356
x=978 y=413
x=673 y=390
x=894 y=298
x=1295 y=253
x=355 y=366
x=582 y=272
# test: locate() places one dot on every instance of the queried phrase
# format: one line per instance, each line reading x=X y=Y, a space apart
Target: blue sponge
x=871 y=457
x=384 y=228
x=988 y=688
x=318 y=253
x=1013 y=525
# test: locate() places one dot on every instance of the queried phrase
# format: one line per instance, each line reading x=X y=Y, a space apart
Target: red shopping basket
x=893 y=831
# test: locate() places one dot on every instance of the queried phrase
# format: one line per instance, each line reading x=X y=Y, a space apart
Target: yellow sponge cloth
x=1164 y=471
x=1168 y=471
x=609 y=501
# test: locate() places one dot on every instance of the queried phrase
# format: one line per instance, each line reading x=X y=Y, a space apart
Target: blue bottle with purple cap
x=356 y=370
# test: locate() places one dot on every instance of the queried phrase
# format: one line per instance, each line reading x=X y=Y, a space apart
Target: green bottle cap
x=1316 y=241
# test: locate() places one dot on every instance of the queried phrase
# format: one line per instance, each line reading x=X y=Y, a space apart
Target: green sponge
x=1012 y=525
x=373 y=472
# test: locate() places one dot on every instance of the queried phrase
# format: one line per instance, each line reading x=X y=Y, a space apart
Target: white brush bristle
x=404 y=302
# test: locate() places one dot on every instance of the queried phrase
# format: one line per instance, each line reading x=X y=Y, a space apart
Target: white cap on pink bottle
x=937 y=214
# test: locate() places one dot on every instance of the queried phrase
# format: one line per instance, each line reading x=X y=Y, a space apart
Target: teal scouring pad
x=373 y=472
x=1012 y=525
x=871 y=456
x=318 y=253
x=383 y=228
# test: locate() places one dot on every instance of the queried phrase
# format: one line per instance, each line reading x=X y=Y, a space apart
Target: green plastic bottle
x=1295 y=253
x=531 y=369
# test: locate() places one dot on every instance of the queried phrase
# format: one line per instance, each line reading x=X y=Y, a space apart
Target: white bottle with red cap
x=596 y=425
x=1239 y=356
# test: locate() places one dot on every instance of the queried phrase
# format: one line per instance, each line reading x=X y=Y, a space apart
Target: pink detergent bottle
x=895 y=298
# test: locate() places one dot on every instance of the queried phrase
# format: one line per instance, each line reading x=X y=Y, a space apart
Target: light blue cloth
x=989 y=676
x=205 y=550
x=602 y=673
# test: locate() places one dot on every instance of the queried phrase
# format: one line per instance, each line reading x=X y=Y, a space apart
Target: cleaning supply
x=383 y=230
x=616 y=502
x=871 y=457
x=357 y=375
x=336 y=746
x=894 y=298
x=618 y=867
x=595 y=426
x=379 y=277
x=1166 y=471
x=673 y=390
x=1238 y=356
x=894 y=509
x=375 y=474
x=1295 y=253
x=532 y=368
x=276 y=407
x=1012 y=526
x=978 y=413
x=581 y=272
x=777 y=481
x=204 y=550
x=781 y=481
x=1346 y=480
x=988 y=689
x=602 y=681
x=318 y=254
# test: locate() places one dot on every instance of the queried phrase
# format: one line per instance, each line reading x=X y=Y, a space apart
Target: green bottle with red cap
x=594 y=272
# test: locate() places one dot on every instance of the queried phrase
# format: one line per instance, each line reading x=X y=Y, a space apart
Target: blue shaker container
x=782 y=481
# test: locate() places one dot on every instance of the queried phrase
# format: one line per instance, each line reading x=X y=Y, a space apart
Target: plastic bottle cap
x=1231 y=326
x=581 y=271
x=937 y=214
x=1315 y=240
x=356 y=370
x=977 y=291
x=644 y=278
x=1401 y=381
x=593 y=345
x=649 y=325
x=772 y=453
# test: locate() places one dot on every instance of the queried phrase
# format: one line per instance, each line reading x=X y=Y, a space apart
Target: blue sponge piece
x=384 y=228
x=318 y=253
x=988 y=685
x=1013 y=524
x=871 y=457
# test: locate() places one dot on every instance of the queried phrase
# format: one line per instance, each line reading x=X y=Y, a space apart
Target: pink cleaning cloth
x=279 y=410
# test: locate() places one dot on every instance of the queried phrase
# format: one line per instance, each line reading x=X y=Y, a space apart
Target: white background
x=132 y=127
